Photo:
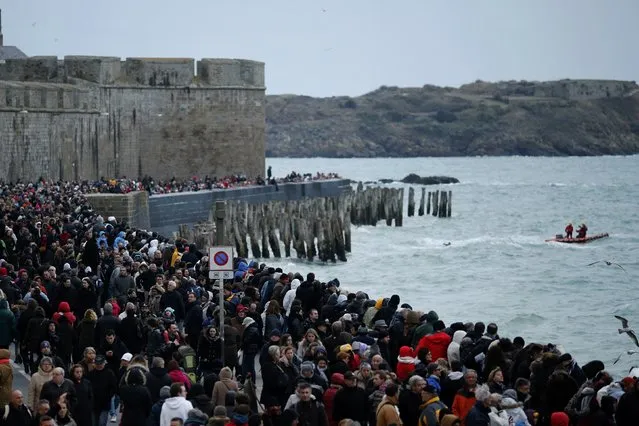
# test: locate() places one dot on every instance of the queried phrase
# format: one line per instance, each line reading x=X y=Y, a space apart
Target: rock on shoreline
x=429 y=180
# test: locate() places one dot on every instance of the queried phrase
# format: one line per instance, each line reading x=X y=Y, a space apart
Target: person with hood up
x=176 y=405
x=290 y=296
x=516 y=414
x=437 y=342
x=337 y=383
x=38 y=379
x=225 y=385
x=453 y=347
x=405 y=363
x=452 y=383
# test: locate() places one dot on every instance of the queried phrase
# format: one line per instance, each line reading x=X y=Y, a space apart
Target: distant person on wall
x=582 y=230
x=569 y=230
x=269 y=173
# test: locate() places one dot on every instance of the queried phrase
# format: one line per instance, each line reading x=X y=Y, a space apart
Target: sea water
x=497 y=267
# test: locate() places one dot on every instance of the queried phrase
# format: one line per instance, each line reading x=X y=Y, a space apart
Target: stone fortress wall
x=87 y=117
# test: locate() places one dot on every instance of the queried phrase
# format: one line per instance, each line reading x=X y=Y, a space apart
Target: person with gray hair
x=156 y=378
x=479 y=414
x=59 y=389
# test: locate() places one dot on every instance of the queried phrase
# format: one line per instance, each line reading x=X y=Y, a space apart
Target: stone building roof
x=11 y=52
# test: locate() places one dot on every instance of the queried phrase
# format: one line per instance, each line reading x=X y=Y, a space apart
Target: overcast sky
x=348 y=47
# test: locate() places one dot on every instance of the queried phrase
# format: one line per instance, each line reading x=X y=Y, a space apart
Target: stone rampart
x=132 y=207
x=90 y=117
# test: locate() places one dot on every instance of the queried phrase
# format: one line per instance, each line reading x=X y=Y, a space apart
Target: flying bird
x=607 y=262
x=630 y=352
x=626 y=329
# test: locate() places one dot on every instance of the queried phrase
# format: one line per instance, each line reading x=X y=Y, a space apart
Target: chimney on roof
x=1 y=36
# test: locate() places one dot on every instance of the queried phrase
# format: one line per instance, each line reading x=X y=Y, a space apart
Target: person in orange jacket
x=437 y=342
x=465 y=397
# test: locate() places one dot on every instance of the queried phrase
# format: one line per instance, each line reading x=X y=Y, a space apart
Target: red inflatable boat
x=562 y=239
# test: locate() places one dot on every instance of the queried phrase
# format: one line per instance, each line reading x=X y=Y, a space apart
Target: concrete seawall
x=167 y=211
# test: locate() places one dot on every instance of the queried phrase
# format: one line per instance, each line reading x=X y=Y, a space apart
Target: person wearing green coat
x=8 y=329
x=426 y=328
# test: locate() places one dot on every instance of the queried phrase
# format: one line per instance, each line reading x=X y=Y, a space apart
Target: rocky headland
x=556 y=118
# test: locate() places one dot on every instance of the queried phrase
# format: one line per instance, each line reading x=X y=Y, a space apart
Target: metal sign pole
x=220 y=213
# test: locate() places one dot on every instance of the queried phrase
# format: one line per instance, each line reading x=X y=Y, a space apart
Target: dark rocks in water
x=429 y=180
x=386 y=180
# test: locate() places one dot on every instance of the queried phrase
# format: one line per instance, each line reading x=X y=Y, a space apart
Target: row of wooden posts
x=441 y=202
x=313 y=227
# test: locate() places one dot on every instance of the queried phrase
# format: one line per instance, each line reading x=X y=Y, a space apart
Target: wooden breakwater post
x=428 y=203
x=312 y=227
x=411 y=202
x=435 y=203
x=420 y=212
x=450 y=208
x=370 y=205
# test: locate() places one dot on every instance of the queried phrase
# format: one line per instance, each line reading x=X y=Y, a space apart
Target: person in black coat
x=106 y=322
x=135 y=399
x=173 y=299
x=58 y=385
x=83 y=413
x=112 y=348
x=105 y=385
x=275 y=380
x=156 y=378
x=209 y=349
x=351 y=402
x=131 y=331
x=200 y=400
x=193 y=320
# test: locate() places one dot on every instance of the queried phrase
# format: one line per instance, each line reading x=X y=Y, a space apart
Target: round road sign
x=221 y=258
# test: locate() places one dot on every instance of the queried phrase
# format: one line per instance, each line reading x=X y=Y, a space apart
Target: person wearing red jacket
x=64 y=310
x=337 y=383
x=405 y=363
x=569 y=229
x=437 y=343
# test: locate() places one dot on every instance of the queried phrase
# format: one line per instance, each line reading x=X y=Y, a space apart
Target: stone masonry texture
x=90 y=117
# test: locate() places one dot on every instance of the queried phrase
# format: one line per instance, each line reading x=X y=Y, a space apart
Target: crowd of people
x=118 y=324
x=173 y=185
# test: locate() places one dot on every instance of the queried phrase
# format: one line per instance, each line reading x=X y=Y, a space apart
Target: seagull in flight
x=609 y=263
x=626 y=329
x=630 y=352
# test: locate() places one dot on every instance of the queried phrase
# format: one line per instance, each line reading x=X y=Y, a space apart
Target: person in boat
x=569 y=230
x=582 y=230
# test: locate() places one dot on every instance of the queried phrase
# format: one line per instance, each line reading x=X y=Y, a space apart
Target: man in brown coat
x=387 y=410
x=6 y=377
